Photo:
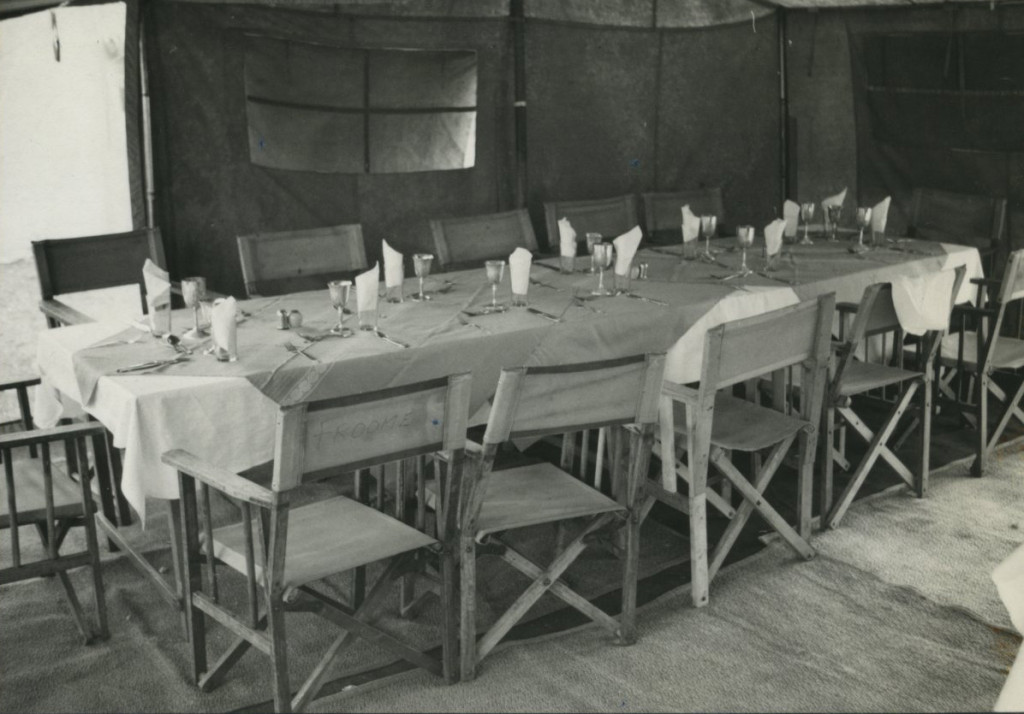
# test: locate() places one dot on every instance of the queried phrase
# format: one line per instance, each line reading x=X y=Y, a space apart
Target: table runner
x=210 y=407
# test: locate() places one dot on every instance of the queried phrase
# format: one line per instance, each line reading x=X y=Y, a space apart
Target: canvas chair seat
x=531 y=495
x=1008 y=354
x=315 y=530
x=861 y=377
x=28 y=484
x=743 y=426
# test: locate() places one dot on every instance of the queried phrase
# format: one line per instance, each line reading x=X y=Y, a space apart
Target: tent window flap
x=331 y=109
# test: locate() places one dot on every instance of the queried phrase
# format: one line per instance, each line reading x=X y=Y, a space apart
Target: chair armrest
x=847 y=308
x=58 y=433
x=19 y=384
x=64 y=314
x=971 y=310
x=680 y=392
x=991 y=282
x=228 y=482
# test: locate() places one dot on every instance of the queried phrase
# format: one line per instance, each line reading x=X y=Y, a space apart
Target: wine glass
x=193 y=290
x=604 y=254
x=708 y=226
x=495 y=272
x=340 y=291
x=421 y=263
x=863 y=221
x=592 y=240
x=834 y=212
x=806 y=214
x=744 y=239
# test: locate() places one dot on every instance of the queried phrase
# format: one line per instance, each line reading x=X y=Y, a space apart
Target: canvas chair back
x=320 y=438
x=662 y=211
x=1013 y=278
x=72 y=265
x=534 y=401
x=745 y=349
x=610 y=217
x=293 y=261
x=958 y=218
x=471 y=240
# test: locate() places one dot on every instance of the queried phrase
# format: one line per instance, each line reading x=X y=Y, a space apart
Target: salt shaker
x=283 y=322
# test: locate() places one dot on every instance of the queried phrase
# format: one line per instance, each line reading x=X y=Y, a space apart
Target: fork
x=300 y=351
x=397 y=343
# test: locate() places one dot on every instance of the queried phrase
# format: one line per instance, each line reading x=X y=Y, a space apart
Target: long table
x=225 y=412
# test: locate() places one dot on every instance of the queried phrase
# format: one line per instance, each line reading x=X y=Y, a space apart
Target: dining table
x=225 y=412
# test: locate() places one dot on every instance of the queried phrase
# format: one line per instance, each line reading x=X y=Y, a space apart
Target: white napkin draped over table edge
x=690 y=224
x=394 y=271
x=519 y=270
x=791 y=214
x=566 y=238
x=625 y=249
x=366 y=288
x=773 y=236
x=922 y=302
x=879 y=215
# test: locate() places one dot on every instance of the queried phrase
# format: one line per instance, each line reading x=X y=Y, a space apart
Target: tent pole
x=518 y=17
x=147 y=127
x=783 y=106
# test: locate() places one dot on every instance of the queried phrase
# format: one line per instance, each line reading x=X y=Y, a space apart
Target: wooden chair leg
x=193 y=580
x=927 y=409
x=450 y=613
x=279 y=652
x=631 y=569
x=981 y=433
x=828 y=472
x=467 y=607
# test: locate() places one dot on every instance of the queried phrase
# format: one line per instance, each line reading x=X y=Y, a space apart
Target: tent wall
x=209 y=192
x=843 y=139
x=609 y=111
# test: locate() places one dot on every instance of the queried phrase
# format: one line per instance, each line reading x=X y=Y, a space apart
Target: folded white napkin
x=922 y=303
x=366 y=289
x=625 y=249
x=566 y=238
x=773 y=236
x=519 y=270
x=791 y=212
x=223 y=327
x=836 y=200
x=879 y=214
x=394 y=272
x=691 y=224
x=158 y=284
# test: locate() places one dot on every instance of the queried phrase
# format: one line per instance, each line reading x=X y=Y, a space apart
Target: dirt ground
x=21 y=321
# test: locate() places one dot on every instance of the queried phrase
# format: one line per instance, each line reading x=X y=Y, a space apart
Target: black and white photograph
x=511 y=356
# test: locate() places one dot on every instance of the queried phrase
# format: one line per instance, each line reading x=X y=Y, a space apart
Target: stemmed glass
x=744 y=239
x=708 y=226
x=340 y=291
x=604 y=254
x=806 y=214
x=495 y=272
x=421 y=263
x=193 y=290
x=834 y=211
x=863 y=221
x=592 y=240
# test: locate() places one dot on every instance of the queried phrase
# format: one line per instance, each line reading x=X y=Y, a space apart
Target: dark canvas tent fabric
x=610 y=109
x=886 y=100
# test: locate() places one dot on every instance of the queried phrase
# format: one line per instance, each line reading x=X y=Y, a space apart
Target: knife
x=543 y=314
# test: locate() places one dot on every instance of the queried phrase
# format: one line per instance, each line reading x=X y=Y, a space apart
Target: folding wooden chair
x=468 y=241
x=533 y=402
x=296 y=545
x=977 y=352
x=960 y=218
x=608 y=216
x=852 y=378
x=36 y=492
x=712 y=424
x=662 y=211
x=71 y=265
x=295 y=261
